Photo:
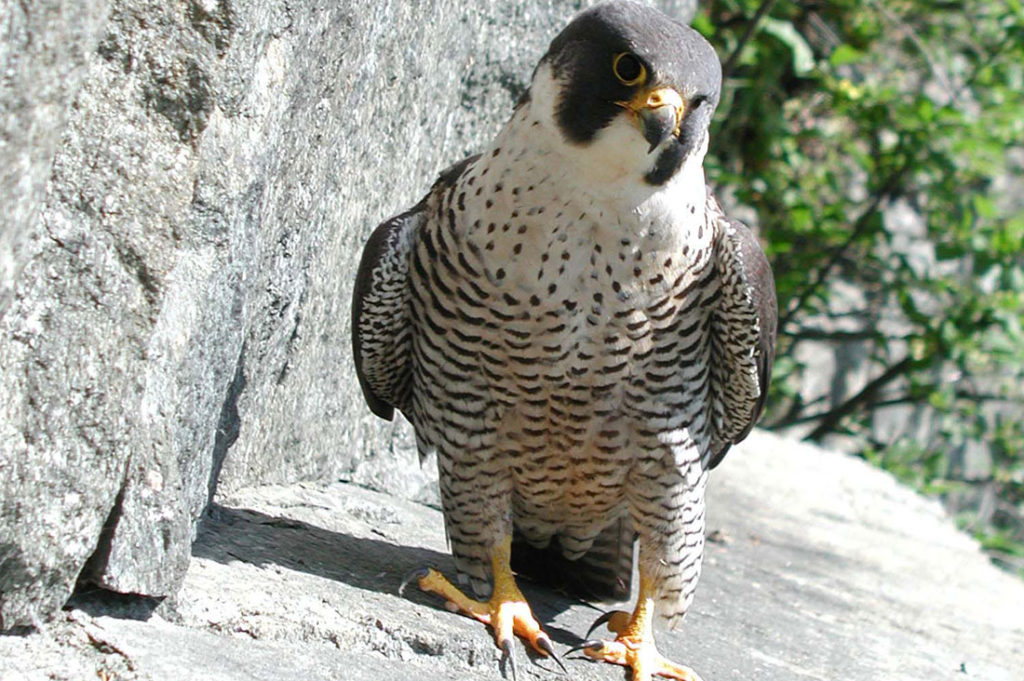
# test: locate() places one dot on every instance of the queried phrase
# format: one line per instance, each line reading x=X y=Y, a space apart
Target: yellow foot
x=634 y=647
x=507 y=613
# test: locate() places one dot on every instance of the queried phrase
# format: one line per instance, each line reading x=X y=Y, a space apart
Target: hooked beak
x=658 y=114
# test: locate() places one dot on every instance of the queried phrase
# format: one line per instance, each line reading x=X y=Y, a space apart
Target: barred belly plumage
x=571 y=381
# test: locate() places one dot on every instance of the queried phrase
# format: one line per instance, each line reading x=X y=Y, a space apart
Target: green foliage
x=832 y=115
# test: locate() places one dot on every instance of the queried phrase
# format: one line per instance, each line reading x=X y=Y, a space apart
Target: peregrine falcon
x=574 y=327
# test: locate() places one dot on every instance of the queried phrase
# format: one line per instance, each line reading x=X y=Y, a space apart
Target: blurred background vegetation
x=878 y=147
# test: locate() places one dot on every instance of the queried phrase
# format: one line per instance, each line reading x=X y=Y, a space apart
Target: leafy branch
x=835 y=113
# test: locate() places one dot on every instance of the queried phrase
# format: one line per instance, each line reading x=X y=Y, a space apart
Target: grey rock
x=820 y=567
x=123 y=332
x=43 y=56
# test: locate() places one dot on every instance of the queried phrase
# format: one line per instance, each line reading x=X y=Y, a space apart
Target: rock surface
x=187 y=186
x=43 y=50
x=820 y=567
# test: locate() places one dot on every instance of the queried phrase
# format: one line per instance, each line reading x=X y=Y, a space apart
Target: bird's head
x=630 y=93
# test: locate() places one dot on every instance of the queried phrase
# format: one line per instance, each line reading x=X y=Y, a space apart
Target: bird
x=578 y=332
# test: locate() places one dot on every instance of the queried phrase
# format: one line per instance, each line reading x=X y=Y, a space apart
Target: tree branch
x=830 y=420
x=860 y=225
x=817 y=334
x=793 y=418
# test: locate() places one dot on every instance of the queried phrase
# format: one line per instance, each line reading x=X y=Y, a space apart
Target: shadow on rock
x=231 y=534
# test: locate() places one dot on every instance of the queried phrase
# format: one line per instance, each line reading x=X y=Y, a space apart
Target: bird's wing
x=381 y=328
x=743 y=328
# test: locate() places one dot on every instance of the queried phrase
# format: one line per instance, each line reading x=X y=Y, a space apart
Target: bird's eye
x=628 y=69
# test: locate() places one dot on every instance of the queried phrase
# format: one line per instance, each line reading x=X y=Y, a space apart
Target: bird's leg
x=507 y=612
x=634 y=642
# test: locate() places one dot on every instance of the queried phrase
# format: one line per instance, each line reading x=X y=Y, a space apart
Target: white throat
x=611 y=167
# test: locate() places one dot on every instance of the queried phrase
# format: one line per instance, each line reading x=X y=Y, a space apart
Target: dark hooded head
x=624 y=61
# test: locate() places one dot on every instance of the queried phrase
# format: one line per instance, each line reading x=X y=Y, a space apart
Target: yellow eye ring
x=629 y=69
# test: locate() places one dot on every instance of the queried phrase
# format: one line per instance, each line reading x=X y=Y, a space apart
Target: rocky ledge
x=819 y=567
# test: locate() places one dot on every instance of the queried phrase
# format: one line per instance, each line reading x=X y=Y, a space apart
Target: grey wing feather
x=743 y=335
x=381 y=328
x=381 y=324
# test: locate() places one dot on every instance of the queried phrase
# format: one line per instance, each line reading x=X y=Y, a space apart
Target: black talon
x=599 y=621
x=507 y=654
x=586 y=645
x=545 y=645
x=418 y=573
